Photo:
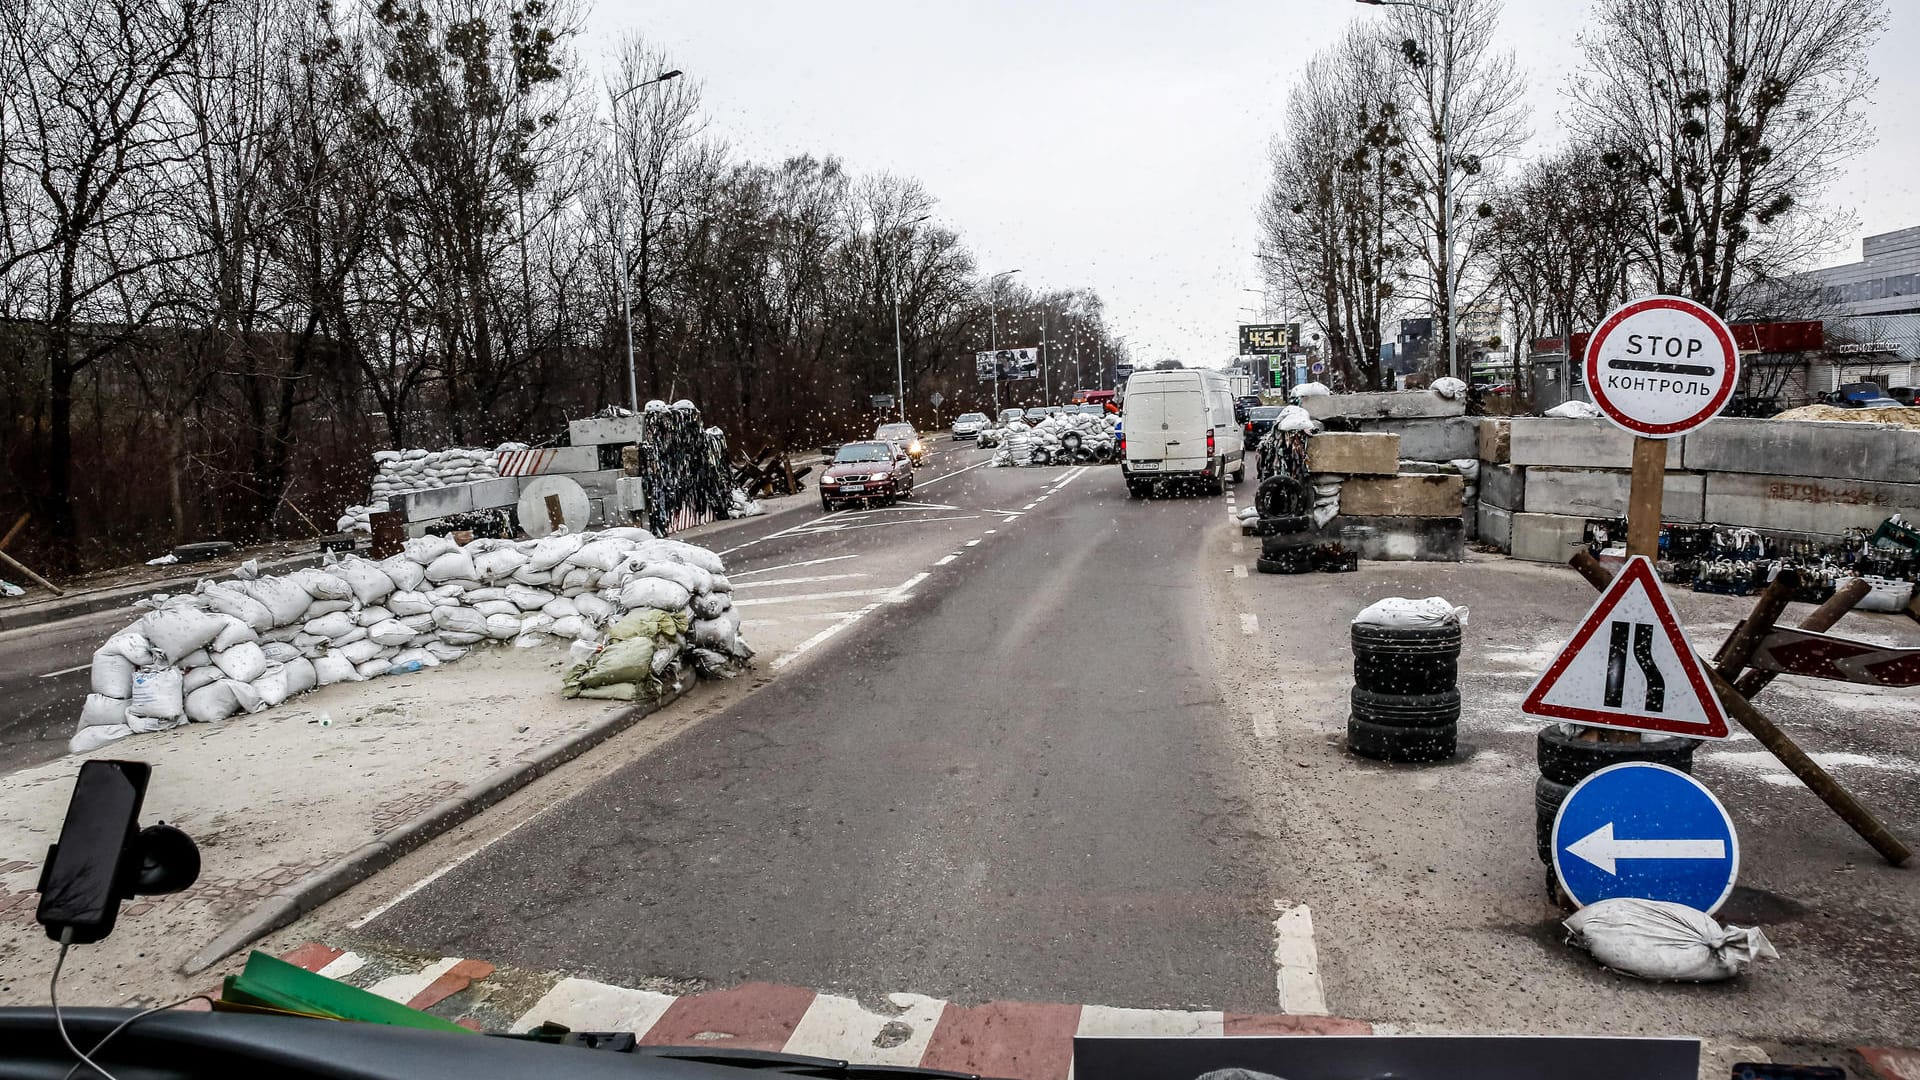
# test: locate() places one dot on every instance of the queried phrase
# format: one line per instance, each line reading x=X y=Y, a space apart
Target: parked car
x=968 y=425
x=1902 y=394
x=1039 y=413
x=904 y=439
x=1008 y=416
x=866 y=472
x=1180 y=425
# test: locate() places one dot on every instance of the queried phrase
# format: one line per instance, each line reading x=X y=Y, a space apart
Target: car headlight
x=915 y=448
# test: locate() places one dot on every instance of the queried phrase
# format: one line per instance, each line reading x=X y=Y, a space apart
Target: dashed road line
x=843 y=594
x=945 y=559
x=1030 y=505
x=789 y=566
x=1249 y=623
x=894 y=595
x=951 y=475
x=1297 y=962
x=66 y=670
x=973 y=541
x=1266 y=726
x=1239 y=548
x=1239 y=569
x=809 y=579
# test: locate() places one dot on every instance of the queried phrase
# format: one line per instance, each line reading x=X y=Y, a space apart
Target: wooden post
x=555 y=519
x=1643 y=498
x=389 y=533
x=9 y=560
x=1857 y=817
x=15 y=531
x=1819 y=621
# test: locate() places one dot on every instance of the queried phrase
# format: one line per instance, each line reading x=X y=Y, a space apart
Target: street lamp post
x=993 y=334
x=1444 y=160
x=619 y=237
x=899 y=356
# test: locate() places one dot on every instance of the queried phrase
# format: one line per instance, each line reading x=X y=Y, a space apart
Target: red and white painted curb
x=1028 y=1040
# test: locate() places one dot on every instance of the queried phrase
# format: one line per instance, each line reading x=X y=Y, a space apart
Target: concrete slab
x=1494 y=525
x=1546 y=537
x=1416 y=495
x=1806 y=504
x=604 y=484
x=1354 y=453
x=1402 y=539
x=1496 y=440
x=619 y=429
x=553 y=459
x=489 y=494
x=1597 y=493
x=1577 y=444
x=1396 y=404
x=434 y=502
x=1432 y=438
x=1805 y=448
x=1505 y=486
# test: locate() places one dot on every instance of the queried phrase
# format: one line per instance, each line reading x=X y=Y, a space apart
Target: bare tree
x=1728 y=119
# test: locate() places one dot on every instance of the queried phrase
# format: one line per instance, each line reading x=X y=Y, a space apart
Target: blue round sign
x=1648 y=831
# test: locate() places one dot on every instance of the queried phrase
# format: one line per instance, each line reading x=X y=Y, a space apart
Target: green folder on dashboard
x=271 y=983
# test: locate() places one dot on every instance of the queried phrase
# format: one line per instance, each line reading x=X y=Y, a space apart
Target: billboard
x=1262 y=339
x=1009 y=363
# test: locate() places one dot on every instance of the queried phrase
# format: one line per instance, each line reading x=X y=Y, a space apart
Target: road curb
x=306 y=894
x=125 y=597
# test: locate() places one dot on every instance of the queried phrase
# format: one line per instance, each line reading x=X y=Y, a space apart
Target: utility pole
x=1046 y=385
x=620 y=236
x=993 y=301
x=899 y=356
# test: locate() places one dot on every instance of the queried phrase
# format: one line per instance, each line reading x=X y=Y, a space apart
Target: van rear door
x=1166 y=425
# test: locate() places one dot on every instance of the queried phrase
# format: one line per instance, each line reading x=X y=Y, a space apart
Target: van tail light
x=1209 y=442
x=1120 y=443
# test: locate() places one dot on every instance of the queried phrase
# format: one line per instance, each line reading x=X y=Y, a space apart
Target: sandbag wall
x=398 y=471
x=1060 y=439
x=246 y=645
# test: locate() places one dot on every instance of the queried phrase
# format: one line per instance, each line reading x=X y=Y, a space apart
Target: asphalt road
x=43 y=681
x=1012 y=779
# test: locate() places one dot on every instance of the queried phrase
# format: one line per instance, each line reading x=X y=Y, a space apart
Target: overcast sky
x=1117 y=144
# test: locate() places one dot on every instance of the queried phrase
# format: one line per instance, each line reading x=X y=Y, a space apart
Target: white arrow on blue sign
x=1648 y=831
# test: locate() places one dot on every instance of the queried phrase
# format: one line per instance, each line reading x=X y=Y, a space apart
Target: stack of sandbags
x=419 y=470
x=247 y=645
x=1060 y=439
x=1016 y=448
x=360 y=518
x=1326 y=497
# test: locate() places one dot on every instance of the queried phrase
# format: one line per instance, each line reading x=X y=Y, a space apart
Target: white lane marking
x=343 y=965
x=793 y=580
x=1239 y=569
x=878 y=525
x=973 y=541
x=951 y=475
x=1265 y=726
x=1239 y=548
x=944 y=560
x=1249 y=622
x=402 y=988
x=844 y=594
x=789 y=566
x=895 y=595
x=583 y=1004
x=990 y=532
x=67 y=670
x=1030 y=505
x=1108 y=1020
x=382 y=909
x=803 y=616
x=1042 y=499
x=1009 y=514
x=1297 y=962
x=840 y=1027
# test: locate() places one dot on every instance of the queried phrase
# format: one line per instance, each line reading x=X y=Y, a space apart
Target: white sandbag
x=593 y=607
x=419 y=624
x=332 y=668
x=600 y=555
x=287 y=600
x=483 y=593
x=406 y=573
x=654 y=592
x=130 y=644
x=99 y=709
x=112 y=674
x=496 y=607
x=301 y=676
x=720 y=583
x=451 y=591
x=272 y=685
x=216 y=701
x=422 y=656
x=559 y=607
x=233 y=632
x=550 y=551
x=242 y=663
x=330 y=626
x=370 y=584
x=710 y=605
x=498 y=565
x=178 y=631
x=425 y=549
x=526 y=575
x=157 y=694
x=445 y=651
x=231 y=601
x=691 y=578
x=536 y=624
x=374 y=668
x=571 y=626
x=629 y=533
x=460 y=637
x=279 y=652
x=528 y=598
x=368 y=616
x=144 y=725
x=578 y=579
x=321 y=585
x=1574 y=410
x=197 y=677
x=692 y=555
x=460 y=620
x=1653 y=939
x=716 y=634
x=359 y=652
x=328 y=607
x=282 y=633
x=194 y=659
x=1401 y=613
x=308 y=644
x=622 y=572
x=93 y=738
x=406 y=602
x=503 y=627
x=454 y=564
x=358 y=633
x=390 y=632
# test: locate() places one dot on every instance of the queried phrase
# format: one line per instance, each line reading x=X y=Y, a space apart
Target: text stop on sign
x=1662 y=366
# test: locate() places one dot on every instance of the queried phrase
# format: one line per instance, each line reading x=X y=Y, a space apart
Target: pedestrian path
x=1030 y=1040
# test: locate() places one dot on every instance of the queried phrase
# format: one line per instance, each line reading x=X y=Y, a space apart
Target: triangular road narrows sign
x=1630 y=666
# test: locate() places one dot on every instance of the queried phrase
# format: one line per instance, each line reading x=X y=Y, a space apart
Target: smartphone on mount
x=94 y=865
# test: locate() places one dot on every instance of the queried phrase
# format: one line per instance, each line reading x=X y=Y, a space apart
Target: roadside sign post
x=936 y=398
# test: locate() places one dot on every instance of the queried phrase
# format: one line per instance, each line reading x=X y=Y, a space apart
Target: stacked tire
x=1565 y=760
x=1286 y=544
x=1405 y=703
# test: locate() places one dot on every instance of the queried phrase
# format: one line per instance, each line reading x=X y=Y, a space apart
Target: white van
x=1179 y=424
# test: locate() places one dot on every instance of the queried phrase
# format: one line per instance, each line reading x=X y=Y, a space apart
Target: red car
x=866 y=472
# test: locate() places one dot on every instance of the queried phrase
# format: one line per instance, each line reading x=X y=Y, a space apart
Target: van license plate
x=1145 y=466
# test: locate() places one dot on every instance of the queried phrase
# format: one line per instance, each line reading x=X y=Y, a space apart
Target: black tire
x=1290 y=545
x=826 y=504
x=1391 y=660
x=1406 y=710
x=1566 y=760
x=1281 y=496
x=1136 y=489
x=1070 y=441
x=1289 y=561
x=1411 y=745
x=1547 y=797
x=1279 y=526
x=204 y=550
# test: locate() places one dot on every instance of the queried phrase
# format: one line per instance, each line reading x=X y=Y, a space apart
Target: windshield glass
x=865 y=451
x=541 y=481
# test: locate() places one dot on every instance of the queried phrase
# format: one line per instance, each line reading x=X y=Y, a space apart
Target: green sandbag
x=650 y=623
